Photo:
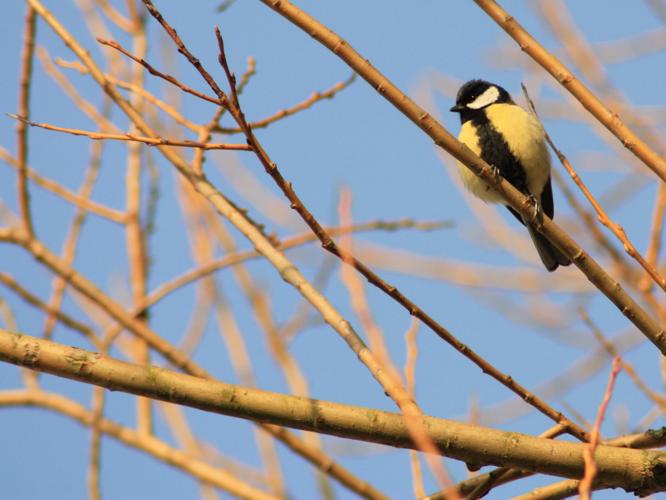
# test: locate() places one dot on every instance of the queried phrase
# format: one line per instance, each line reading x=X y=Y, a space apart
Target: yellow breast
x=475 y=185
x=525 y=137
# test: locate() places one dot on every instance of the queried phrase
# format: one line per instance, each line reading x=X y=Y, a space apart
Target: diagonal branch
x=594 y=272
x=159 y=449
x=562 y=74
x=342 y=326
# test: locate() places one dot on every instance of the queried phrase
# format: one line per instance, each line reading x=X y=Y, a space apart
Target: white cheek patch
x=489 y=96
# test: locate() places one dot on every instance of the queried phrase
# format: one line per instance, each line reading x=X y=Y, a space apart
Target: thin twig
x=284 y=113
x=150 y=141
x=153 y=71
x=590 y=465
x=147 y=95
x=94 y=467
x=62 y=317
x=653 y=396
x=59 y=190
x=656 y=231
x=157 y=448
x=410 y=379
x=250 y=71
x=359 y=304
x=59 y=284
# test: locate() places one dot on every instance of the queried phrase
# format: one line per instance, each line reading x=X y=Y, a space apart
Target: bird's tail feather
x=551 y=256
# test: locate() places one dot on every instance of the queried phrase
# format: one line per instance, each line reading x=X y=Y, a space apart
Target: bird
x=512 y=141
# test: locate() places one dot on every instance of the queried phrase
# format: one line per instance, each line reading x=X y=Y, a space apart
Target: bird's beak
x=457 y=108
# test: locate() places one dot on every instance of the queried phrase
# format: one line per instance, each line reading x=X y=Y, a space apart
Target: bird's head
x=476 y=95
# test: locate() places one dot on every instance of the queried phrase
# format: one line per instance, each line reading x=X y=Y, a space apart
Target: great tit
x=512 y=140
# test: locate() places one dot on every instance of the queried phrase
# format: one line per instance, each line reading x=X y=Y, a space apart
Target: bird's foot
x=495 y=172
x=536 y=216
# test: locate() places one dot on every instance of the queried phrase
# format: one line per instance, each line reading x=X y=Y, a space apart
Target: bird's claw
x=537 y=207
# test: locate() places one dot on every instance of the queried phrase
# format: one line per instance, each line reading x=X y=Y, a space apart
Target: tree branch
x=635 y=470
x=522 y=204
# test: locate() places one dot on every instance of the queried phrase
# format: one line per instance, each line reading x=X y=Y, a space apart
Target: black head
x=476 y=95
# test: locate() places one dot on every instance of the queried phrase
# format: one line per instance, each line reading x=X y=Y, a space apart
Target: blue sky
x=356 y=140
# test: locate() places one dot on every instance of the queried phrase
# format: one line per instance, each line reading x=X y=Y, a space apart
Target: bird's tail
x=551 y=256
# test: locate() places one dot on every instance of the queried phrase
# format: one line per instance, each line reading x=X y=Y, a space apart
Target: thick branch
x=639 y=471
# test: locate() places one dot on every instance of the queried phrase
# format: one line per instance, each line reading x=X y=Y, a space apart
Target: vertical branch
x=29 y=377
x=201 y=248
x=410 y=378
x=72 y=239
x=357 y=293
x=656 y=231
x=25 y=82
x=181 y=431
x=259 y=301
x=136 y=244
x=27 y=57
x=204 y=136
x=94 y=466
x=153 y=197
x=585 y=486
x=393 y=385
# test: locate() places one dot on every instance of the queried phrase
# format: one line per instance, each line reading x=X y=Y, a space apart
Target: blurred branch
x=233 y=259
x=159 y=449
x=169 y=351
x=591 y=465
x=62 y=317
x=375 y=335
x=656 y=398
x=59 y=190
x=71 y=244
x=656 y=232
x=25 y=84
